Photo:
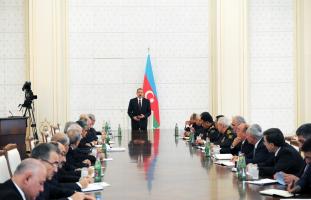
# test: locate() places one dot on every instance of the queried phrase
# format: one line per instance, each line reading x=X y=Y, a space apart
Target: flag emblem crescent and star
x=150 y=92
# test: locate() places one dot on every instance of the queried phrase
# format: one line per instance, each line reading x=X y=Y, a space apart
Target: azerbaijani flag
x=150 y=92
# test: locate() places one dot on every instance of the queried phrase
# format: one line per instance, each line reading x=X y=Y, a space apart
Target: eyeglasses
x=55 y=164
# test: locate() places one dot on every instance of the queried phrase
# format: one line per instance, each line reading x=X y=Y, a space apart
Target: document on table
x=225 y=163
x=116 y=149
x=264 y=181
x=276 y=192
x=223 y=156
x=95 y=186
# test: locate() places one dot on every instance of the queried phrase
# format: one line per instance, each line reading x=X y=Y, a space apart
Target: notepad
x=95 y=186
x=223 y=156
x=265 y=181
x=116 y=149
x=276 y=192
x=225 y=163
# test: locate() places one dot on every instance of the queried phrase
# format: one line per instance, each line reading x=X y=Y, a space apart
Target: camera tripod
x=29 y=112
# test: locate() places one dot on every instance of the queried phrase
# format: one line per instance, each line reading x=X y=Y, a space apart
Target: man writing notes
x=139 y=110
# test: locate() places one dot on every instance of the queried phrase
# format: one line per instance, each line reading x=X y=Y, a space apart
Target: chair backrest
x=55 y=129
x=5 y=172
x=13 y=157
x=32 y=143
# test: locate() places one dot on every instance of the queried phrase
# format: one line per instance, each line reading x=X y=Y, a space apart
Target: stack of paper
x=276 y=192
x=95 y=186
x=107 y=159
x=265 y=181
x=225 y=163
x=223 y=156
x=116 y=149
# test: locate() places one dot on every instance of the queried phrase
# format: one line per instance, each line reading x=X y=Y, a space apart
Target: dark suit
x=8 y=191
x=54 y=191
x=135 y=110
x=260 y=154
x=287 y=160
x=305 y=180
x=244 y=147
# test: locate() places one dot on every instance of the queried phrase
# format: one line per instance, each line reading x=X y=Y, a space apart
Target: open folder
x=95 y=186
x=276 y=192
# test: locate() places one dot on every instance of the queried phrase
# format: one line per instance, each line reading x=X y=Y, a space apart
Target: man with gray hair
x=26 y=183
x=74 y=157
x=260 y=153
x=236 y=121
x=226 y=135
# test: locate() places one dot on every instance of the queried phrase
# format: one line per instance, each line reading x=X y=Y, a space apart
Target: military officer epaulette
x=229 y=133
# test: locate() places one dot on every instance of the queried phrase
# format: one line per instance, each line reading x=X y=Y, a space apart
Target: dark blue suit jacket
x=134 y=110
x=260 y=154
x=287 y=160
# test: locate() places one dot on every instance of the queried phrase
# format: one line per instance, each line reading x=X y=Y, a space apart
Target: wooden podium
x=13 y=130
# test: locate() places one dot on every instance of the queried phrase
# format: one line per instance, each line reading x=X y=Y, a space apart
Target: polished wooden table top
x=159 y=166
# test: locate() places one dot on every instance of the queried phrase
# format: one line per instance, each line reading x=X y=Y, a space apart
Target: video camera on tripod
x=29 y=96
x=29 y=107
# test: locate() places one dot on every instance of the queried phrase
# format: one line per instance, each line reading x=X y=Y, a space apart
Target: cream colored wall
x=231 y=62
x=47 y=59
x=304 y=60
x=48 y=65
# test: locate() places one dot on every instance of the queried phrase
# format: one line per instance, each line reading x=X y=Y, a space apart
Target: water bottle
x=176 y=130
x=207 y=148
x=97 y=170
x=242 y=168
x=119 y=131
x=106 y=127
x=107 y=139
x=104 y=150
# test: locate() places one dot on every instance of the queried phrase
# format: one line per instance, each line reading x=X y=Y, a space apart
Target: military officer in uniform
x=226 y=134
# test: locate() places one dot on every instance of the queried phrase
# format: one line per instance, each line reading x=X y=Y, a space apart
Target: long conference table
x=157 y=165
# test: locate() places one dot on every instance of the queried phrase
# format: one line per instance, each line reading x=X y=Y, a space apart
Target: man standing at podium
x=139 y=110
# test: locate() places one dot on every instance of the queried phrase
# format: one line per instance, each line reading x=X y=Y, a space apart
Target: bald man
x=26 y=183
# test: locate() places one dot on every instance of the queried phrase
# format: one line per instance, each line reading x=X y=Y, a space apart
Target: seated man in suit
x=286 y=158
x=91 y=128
x=226 y=135
x=240 y=143
x=190 y=124
x=236 y=121
x=48 y=156
x=303 y=133
x=260 y=153
x=74 y=157
x=26 y=183
x=74 y=185
x=303 y=184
